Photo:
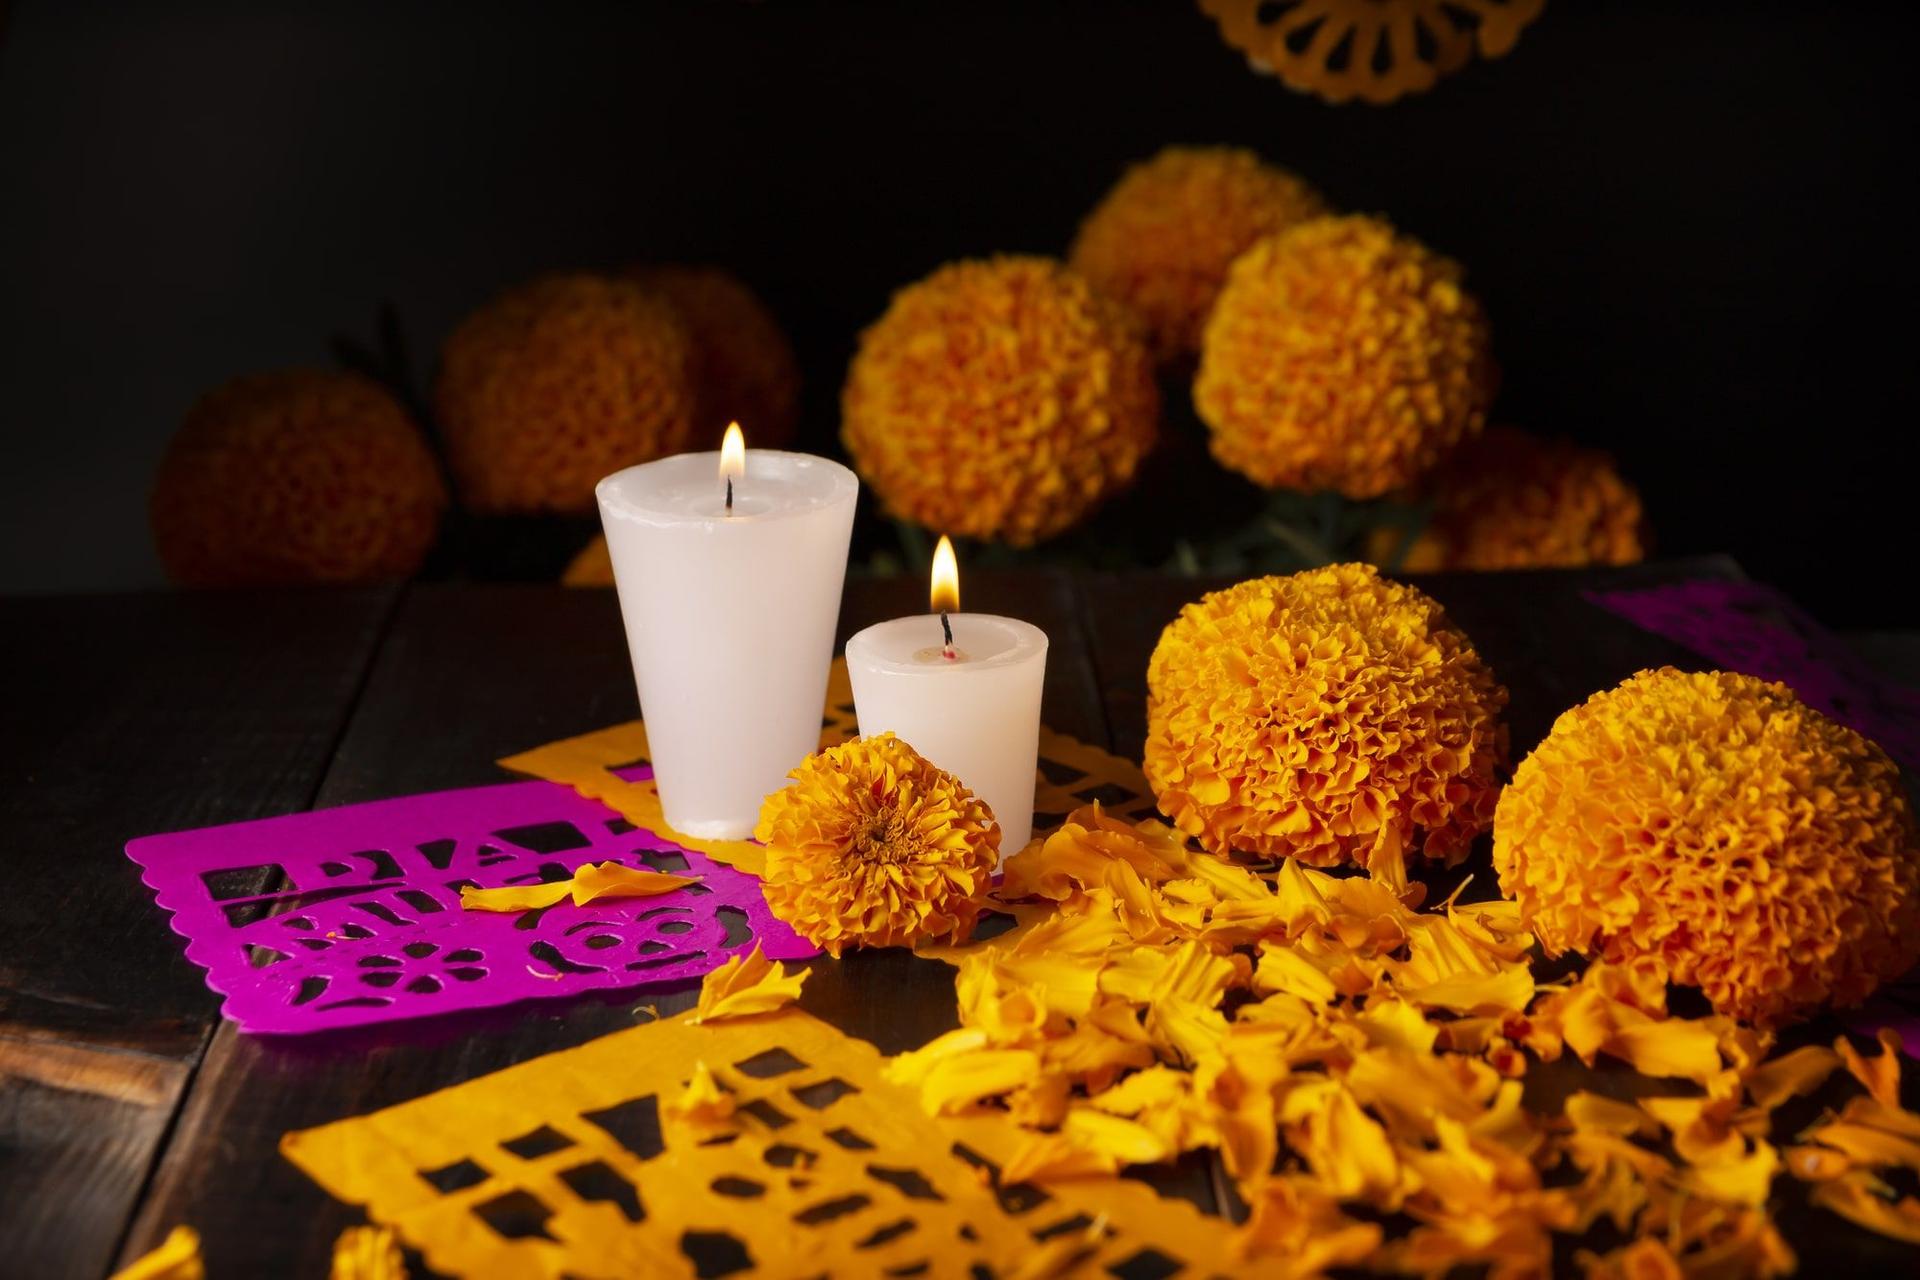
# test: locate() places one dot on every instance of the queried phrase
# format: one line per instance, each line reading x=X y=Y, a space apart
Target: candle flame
x=945 y=595
x=733 y=453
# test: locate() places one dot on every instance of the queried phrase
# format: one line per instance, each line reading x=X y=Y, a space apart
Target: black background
x=1692 y=229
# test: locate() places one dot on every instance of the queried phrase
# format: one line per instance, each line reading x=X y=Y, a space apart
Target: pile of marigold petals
x=1359 y=1066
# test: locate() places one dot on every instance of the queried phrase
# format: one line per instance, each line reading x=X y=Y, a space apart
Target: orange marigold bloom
x=296 y=476
x=1719 y=829
x=873 y=846
x=1161 y=241
x=744 y=369
x=1330 y=716
x=1342 y=356
x=557 y=383
x=1001 y=399
x=1510 y=500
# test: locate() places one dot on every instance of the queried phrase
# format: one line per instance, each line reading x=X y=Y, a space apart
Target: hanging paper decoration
x=767 y=1144
x=605 y=765
x=1378 y=50
x=353 y=915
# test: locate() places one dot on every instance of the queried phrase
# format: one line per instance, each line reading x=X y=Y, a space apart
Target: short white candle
x=975 y=714
x=730 y=618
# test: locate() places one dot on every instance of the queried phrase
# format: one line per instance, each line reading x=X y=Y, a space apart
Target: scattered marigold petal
x=746 y=985
x=367 y=1253
x=1788 y=1076
x=588 y=883
x=1867 y=1202
x=1881 y=1075
x=703 y=1106
x=176 y=1258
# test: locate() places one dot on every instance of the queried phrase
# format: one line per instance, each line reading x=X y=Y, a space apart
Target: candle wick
x=729 y=495
x=946 y=630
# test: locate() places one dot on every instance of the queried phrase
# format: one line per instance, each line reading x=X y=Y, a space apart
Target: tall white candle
x=975 y=711
x=730 y=617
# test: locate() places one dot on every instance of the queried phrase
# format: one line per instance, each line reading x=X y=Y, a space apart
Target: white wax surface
x=729 y=620
x=977 y=718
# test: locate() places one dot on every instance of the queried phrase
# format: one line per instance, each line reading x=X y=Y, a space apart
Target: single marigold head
x=1003 y=399
x=744 y=369
x=296 y=476
x=1331 y=716
x=557 y=383
x=873 y=846
x=1161 y=241
x=1717 y=826
x=1510 y=500
x=1342 y=356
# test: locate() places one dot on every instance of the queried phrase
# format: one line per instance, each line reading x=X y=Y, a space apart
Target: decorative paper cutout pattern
x=1757 y=631
x=362 y=920
x=602 y=766
x=1378 y=50
x=576 y=1163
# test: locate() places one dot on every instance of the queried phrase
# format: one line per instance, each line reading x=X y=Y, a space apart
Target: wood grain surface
x=126 y=1108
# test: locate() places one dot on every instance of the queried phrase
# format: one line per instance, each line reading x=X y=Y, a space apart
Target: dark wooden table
x=127 y=1106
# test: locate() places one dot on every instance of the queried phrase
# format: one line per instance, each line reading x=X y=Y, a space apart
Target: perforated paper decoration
x=361 y=920
x=1755 y=630
x=599 y=765
x=1377 y=50
x=573 y=1164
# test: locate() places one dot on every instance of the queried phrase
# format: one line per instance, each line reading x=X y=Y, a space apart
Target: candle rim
x=1030 y=645
x=615 y=504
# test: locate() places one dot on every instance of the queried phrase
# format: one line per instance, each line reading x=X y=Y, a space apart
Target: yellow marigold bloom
x=296 y=476
x=1161 y=241
x=744 y=369
x=873 y=846
x=1510 y=500
x=1717 y=829
x=557 y=383
x=1001 y=399
x=1331 y=716
x=1342 y=356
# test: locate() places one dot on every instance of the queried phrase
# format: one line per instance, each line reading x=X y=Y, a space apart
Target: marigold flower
x=296 y=476
x=1342 y=356
x=557 y=383
x=1001 y=399
x=1162 y=239
x=874 y=846
x=1331 y=716
x=1719 y=831
x=744 y=369
x=1510 y=500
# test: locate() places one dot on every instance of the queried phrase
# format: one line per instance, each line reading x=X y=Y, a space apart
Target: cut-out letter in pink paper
x=360 y=921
